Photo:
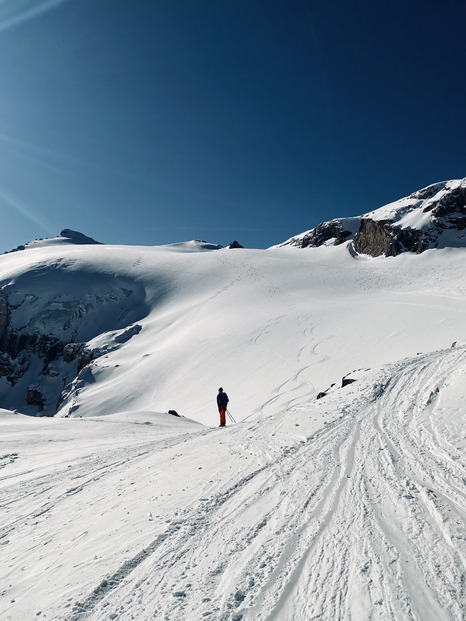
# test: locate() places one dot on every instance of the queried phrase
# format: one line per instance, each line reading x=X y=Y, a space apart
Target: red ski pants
x=222 y=411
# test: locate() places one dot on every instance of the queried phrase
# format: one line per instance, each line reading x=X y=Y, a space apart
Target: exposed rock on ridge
x=434 y=217
x=77 y=238
x=331 y=233
x=379 y=237
x=327 y=231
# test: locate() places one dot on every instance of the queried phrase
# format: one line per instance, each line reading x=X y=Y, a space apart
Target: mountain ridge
x=433 y=217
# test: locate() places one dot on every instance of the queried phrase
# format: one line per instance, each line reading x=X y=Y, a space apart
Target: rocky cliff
x=54 y=322
x=434 y=217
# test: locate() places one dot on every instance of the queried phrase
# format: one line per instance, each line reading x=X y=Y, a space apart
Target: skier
x=222 y=401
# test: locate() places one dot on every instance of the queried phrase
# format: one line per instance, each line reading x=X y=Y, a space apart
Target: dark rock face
x=427 y=192
x=34 y=396
x=434 y=217
x=446 y=208
x=449 y=204
x=324 y=233
x=412 y=240
x=40 y=353
x=235 y=244
x=77 y=238
x=47 y=347
x=375 y=238
x=381 y=237
x=71 y=351
x=331 y=233
x=4 y=314
x=82 y=354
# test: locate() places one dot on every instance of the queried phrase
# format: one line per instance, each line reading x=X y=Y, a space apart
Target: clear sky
x=156 y=121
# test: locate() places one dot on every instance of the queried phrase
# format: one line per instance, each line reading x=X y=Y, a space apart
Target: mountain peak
x=76 y=237
x=67 y=236
x=433 y=217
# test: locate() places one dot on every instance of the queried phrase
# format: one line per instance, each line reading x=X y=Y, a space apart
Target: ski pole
x=231 y=417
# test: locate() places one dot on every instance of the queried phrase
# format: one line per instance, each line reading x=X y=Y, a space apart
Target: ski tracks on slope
x=297 y=384
x=362 y=520
x=52 y=487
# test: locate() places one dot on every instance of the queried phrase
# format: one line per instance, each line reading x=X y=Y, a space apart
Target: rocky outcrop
x=46 y=347
x=34 y=396
x=449 y=205
x=380 y=237
x=375 y=238
x=331 y=233
x=325 y=232
x=235 y=244
x=419 y=223
x=40 y=325
x=4 y=314
x=434 y=217
x=77 y=238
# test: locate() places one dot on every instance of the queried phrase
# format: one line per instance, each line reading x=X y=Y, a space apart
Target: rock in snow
x=77 y=238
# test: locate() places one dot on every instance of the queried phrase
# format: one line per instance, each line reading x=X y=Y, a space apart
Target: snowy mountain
x=340 y=492
x=67 y=236
x=434 y=217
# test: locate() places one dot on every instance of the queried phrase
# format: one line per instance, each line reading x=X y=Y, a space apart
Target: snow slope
x=273 y=327
x=348 y=507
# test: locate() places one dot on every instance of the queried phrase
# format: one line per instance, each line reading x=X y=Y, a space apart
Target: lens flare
x=14 y=12
x=17 y=206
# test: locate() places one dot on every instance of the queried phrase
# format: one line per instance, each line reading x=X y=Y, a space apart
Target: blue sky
x=151 y=122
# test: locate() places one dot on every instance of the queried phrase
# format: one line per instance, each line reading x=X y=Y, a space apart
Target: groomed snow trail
x=350 y=508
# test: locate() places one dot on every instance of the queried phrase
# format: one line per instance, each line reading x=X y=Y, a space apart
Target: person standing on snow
x=222 y=402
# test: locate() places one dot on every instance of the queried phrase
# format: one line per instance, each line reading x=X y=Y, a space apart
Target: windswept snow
x=348 y=507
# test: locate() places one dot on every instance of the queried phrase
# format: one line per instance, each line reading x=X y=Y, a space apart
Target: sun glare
x=14 y=203
x=14 y=12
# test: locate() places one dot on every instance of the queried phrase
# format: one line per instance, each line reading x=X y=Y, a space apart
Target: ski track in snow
x=339 y=526
x=298 y=385
x=350 y=508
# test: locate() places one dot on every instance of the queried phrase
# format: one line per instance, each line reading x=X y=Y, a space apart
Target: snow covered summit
x=67 y=236
x=434 y=217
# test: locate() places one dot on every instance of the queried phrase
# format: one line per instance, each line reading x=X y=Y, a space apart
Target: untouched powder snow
x=348 y=507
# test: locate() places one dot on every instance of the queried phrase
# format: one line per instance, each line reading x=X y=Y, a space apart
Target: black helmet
x=220 y=390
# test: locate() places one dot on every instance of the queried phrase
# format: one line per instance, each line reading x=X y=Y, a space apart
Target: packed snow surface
x=350 y=507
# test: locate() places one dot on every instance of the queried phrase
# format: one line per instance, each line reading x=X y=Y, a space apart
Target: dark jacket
x=222 y=399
